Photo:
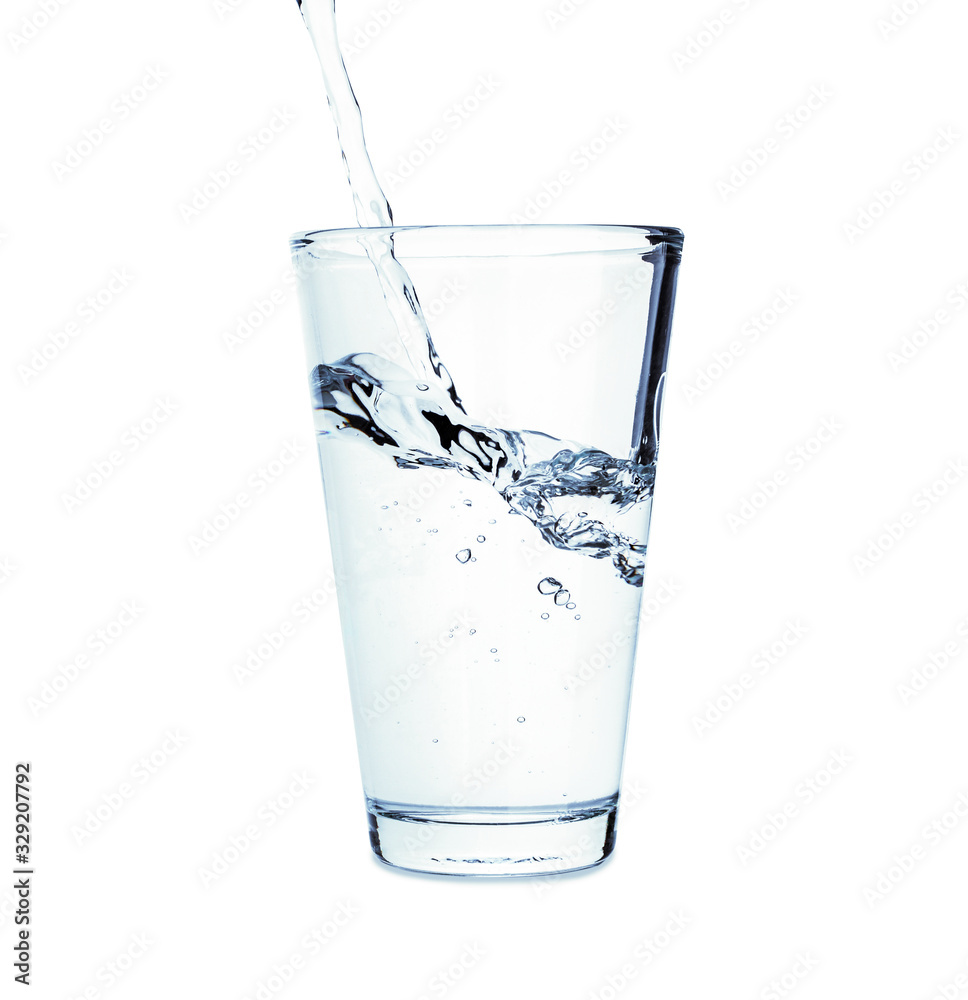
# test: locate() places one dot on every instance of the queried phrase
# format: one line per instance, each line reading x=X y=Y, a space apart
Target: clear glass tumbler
x=488 y=492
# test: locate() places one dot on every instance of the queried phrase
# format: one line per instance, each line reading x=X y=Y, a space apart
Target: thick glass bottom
x=498 y=842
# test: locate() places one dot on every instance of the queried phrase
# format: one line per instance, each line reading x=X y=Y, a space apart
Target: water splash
x=417 y=416
x=572 y=494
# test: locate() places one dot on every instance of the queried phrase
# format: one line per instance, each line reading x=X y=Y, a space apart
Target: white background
x=693 y=799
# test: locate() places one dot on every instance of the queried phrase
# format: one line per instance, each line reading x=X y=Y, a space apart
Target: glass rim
x=542 y=239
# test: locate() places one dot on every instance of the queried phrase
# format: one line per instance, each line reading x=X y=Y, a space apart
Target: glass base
x=500 y=842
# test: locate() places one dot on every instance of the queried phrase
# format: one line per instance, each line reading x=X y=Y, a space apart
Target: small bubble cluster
x=555 y=589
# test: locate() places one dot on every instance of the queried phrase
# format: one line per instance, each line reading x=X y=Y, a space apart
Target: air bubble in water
x=467 y=503
x=546 y=615
x=423 y=388
x=463 y=555
x=473 y=631
x=549 y=585
x=494 y=650
x=577 y=618
x=571 y=605
x=562 y=597
x=520 y=718
x=481 y=538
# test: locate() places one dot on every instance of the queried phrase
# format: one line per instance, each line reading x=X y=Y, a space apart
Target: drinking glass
x=489 y=541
